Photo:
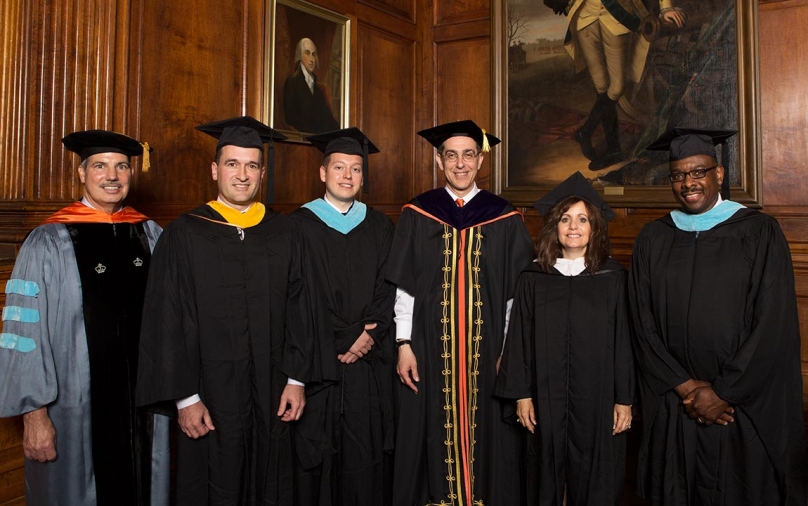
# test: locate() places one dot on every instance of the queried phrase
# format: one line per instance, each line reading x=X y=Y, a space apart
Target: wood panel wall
x=155 y=69
x=784 y=121
x=65 y=67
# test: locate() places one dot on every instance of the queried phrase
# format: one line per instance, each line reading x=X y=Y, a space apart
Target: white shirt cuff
x=296 y=383
x=404 y=307
x=188 y=401
x=508 y=306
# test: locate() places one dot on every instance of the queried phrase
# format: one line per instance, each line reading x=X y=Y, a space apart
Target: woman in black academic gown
x=567 y=361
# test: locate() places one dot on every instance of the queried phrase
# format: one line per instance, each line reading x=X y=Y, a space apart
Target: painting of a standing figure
x=592 y=82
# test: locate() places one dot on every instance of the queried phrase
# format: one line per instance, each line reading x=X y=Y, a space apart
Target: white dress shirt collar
x=467 y=197
x=569 y=267
x=309 y=78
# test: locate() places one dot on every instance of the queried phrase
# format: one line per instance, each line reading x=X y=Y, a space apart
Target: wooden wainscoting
x=12 y=480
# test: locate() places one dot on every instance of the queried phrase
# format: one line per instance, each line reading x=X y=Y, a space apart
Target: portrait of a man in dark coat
x=306 y=103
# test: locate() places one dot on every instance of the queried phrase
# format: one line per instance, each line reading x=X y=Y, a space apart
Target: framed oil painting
x=562 y=107
x=309 y=56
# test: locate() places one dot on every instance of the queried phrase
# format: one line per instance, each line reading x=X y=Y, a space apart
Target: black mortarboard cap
x=466 y=128
x=349 y=141
x=92 y=142
x=575 y=185
x=686 y=142
x=247 y=132
x=243 y=131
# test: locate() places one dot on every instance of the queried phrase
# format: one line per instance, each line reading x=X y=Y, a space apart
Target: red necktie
x=459 y=202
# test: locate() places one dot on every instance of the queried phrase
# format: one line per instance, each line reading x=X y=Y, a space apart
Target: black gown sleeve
x=771 y=332
x=624 y=373
x=400 y=268
x=168 y=363
x=515 y=378
x=520 y=252
x=661 y=371
x=763 y=380
x=307 y=324
x=380 y=311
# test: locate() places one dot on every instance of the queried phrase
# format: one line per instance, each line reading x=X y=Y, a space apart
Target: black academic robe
x=461 y=266
x=719 y=306
x=569 y=349
x=344 y=440
x=226 y=317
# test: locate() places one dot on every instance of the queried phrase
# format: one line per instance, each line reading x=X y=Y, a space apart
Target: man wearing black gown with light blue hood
x=717 y=343
x=344 y=442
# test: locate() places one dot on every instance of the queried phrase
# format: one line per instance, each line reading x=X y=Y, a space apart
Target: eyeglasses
x=678 y=177
x=468 y=156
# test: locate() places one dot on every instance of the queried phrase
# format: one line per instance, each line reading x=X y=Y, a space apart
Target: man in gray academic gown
x=68 y=351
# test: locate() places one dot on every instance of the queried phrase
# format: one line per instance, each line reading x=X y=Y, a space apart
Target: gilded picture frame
x=300 y=95
x=697 y=78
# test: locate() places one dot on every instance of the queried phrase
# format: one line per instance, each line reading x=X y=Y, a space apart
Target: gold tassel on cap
x=486 y=146
x=146 y=162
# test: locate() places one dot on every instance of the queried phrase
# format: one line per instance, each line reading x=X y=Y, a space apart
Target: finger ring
x=519 y=420
x=628 y=426
x=700 y=420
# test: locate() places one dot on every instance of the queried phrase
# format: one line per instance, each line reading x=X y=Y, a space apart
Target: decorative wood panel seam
x=449 y=12
x=401 y=9
x=781 y=4
x=387 y=83
x=478 y=29
x=13 y=98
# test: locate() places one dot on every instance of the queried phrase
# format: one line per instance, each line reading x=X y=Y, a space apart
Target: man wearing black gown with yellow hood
x=227 y=334
x=717 y=342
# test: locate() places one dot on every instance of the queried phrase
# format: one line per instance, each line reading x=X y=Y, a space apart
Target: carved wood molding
x=20 y=217
x=461 y=11
x=14 y=55
x=781 y=4
x=65 y=67
x=401 y=9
